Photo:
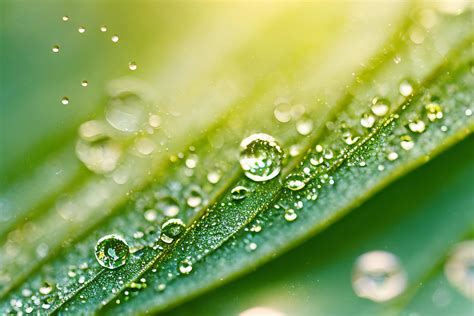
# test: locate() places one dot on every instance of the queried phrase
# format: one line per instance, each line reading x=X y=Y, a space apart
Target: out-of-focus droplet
x=103 y=28
x=282 y=112
x=168 y=205
x=185 y=266
x=392 y=156
x=132 y=65
x=380 y=106
x=261 y=311
x=144 y=145
x=100 y=156
x=367 y=120
x=127 y=112
x=459 y=268
x=81 y=29
x=378 y=276
x=406 y=142
x=405 y=88
x=115 y=38
x=434 y=111
x=111 y=251
x=65 y=100
x=260 y=157
x=84 y=83
x=304 y=126
x=154 y=121
x=55 y=49
x=417 y=126
x=290 y=215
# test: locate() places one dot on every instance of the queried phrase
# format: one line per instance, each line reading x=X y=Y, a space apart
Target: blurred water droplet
x=55 y=49
x=115 y=38
x=434 y=111
x=367 y=120
x=185 y=266
x=84 y=83
x=126 y=112
x=103 y=28
x=111 y=251
x=132 y=65
x=290 y=215
x=213 y=177
x=171 y=229
x=81 y=29
x=65 y=18
x=405 y=88
x=282 y=112
x=261 y=311
x=154 y=121
x=406 y=142
x=144 y=145
x=397 y=59
x=194 y=198
x=468 y=112
x=46 y=288
x=260 y=157
x=168 y=206
x=417 y=126
x=459 y=268
x=295 y=182
x=100 y=156
x=378 y=276
x=380 y=106
x=392 y=156
x=304 y=126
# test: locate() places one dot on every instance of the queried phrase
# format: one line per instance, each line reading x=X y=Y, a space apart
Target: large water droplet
x=459 y=268
x=295 y=182
x=100 y=156
x=260 y=157
x=171 y=229
x=111 y=251
x=378 y=276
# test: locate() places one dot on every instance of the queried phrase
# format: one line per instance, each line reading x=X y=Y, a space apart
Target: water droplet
x=316 y=159
x=100 y=156
x=150 y=215
x=378 y=276
x=55 y=49
x=144 y=145
x=93 y=130
x=239 y=192
x=260 y=157
x=434 y=111
x=191 y=161
x=154 y=121
x=168 y=206
x=46 y=288
x=380 y=106
x=295 y=182
x=405 y=88
x=282 y=112
x=468 y=112
x=406 y=142
x=111 y=251
x=367 y=120
x=185 y=266
x=194 y=198
x=171 y=229
x=84 y=83
x=328 y=154
x=417 y=35
x=127 y=112
x=213 y=177
x=65 y=100
x=81 y=29
x=459 y=268
x=290 y=215
x=304 y=126
x=65 y=18
x=392 y=156
x=349 y=139
x=103 y=28
x=132 y=65
x=115 y=38
x=417 y=126
x=252 y=246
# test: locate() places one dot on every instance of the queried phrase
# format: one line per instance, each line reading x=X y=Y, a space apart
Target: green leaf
x=330 y=91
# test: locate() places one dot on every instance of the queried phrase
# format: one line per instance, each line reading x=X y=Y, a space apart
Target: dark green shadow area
x=418 y=218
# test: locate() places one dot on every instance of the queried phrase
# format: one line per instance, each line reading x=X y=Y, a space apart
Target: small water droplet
x=150 y=215
x=46 y=288
x=84 y=83
x=380 y=106
x=260 y=157
x=378 y=276
x=239 y=192
x=103 y=28
x=55 y=49
x=132 y=65
x=295 y=182
x=65 y=100
x=194 y=198
x=213 y=177
x=406 y=142
x=349 y=139
x=65 y=18
x=185 y=266
x=328 y=154
x=81 y=29
x=290 y=215
x=251 y=246
x=459 y=268
x=171 y=229
x=115 y=38
x=434 y=111
x=154 y=121
x=111 y=251
x=468 y=112
x=367 y=120
x=392 y=156
x=417 y=126
x=405 y=88
x=168 y=206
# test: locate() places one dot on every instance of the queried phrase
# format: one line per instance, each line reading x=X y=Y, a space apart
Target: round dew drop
x=380 y=106
x=260 y=157
x=132 y=65
x=65 y=100
x=185 y=266
x=103 y=28
x=171 y=229
x=115 y=38
x=378 y=276
x=84 y=83
x=405 y=88
x=168 y=206
x=290 y=215
x=111 y=251
x=55 y=49
x=81 y=29
x=406 y=142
